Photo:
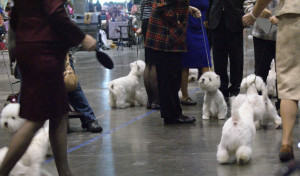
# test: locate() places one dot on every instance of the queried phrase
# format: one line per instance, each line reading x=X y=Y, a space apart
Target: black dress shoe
x=180 y=120
x=94 y=127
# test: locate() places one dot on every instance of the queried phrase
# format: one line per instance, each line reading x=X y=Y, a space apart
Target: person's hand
x=248 y=20
x=194 y=12
x=89 y=43
x=139 y=31
x=274 y=20
x=266 y=13
x=206 y=24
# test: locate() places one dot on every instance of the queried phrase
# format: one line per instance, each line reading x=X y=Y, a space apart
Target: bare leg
x=147 y=83
x=154 y=85
x=58 y=140
x=205 y=69
x=288 y=111
x=18 y=145
x=184 y=83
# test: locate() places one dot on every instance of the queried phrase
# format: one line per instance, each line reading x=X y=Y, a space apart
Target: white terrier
x=264 y=111
x=10 y=119
x=30 y=163
x=237 y=135
x=35 y=154
x=193 y=74
x=126 y=91
x=214 y=104
x=271 y=80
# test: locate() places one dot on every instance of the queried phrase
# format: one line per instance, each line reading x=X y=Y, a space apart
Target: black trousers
x=227 y=43
x=168 y=70
x=264 y=52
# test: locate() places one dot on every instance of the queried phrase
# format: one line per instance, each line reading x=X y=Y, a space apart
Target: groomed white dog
x=126 y=91
x=10 y=119
x=264 y=110
x=238 y=135
x=214 y=104
x=30 y=163
x=271 y=80
x=193 y=74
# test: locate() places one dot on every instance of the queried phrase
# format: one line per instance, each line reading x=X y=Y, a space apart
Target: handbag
x=70 y=78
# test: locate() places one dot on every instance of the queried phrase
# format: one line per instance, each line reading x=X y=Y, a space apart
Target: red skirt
x=43 y=92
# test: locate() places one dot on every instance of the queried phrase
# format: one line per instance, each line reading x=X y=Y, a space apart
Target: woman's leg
x=205 y=69
x=288 y=111
x=58 y=140
x=154 y=87
x=18 y=145
x=147 y=84
x=184 y=83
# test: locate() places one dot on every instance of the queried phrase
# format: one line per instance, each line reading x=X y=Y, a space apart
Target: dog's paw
x=279 y=126
x=222 y=117
x=204 y=117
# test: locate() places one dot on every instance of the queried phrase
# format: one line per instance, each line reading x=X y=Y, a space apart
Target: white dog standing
x=271 y=80
x=237 y=135
x=214 y=104
x=264 y=110
x=126 y=91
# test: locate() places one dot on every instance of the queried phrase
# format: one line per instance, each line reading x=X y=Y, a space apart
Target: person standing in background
x=287 y=65
x=150 y=79
x=198 y=52
x=264 y=43
x=224 y=21
x=166 y=40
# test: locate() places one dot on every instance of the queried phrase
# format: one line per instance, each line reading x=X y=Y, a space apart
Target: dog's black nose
x=5 y=124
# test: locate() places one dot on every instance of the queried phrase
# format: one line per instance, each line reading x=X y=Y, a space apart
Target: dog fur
x=126 y=91
x=264 y=110
x=10 y=119
x=193 y=74
x=238 y=135
x=271 y=81
x=30 y=163
x=214 y=104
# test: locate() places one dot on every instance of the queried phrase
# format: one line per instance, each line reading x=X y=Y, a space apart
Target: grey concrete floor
x=136 y=142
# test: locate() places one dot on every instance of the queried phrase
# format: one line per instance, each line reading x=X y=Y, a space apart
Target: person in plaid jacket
x=166 y=41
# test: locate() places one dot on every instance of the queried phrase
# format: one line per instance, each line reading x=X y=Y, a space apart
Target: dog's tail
x=111 y=88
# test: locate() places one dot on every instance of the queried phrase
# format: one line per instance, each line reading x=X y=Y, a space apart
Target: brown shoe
x=286 y=153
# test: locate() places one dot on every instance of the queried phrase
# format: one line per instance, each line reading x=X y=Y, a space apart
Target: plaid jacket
x=167 y=25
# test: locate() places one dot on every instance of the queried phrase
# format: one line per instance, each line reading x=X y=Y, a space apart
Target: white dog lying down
x=271 y=80
x=214 y=104
x=126 y=91
x=264 y=110
x=30 y=163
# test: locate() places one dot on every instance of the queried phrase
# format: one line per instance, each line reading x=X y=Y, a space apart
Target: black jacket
x=233 y=13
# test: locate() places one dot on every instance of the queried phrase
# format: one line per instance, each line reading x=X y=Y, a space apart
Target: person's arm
x=248 y=5
x=60 y=23
x=250 y=18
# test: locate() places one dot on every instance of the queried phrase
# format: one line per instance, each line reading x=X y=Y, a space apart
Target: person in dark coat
x=224 y=21
x=44 y=33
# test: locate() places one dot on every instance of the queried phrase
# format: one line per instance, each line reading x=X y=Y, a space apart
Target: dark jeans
x=227 y=43
x=79 y=102
x=264 y=52
x=168 y=69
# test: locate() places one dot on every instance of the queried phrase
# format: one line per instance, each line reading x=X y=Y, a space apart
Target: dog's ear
x=131 y=64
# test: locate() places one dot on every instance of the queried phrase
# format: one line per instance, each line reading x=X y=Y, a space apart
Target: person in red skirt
x=44 y=33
